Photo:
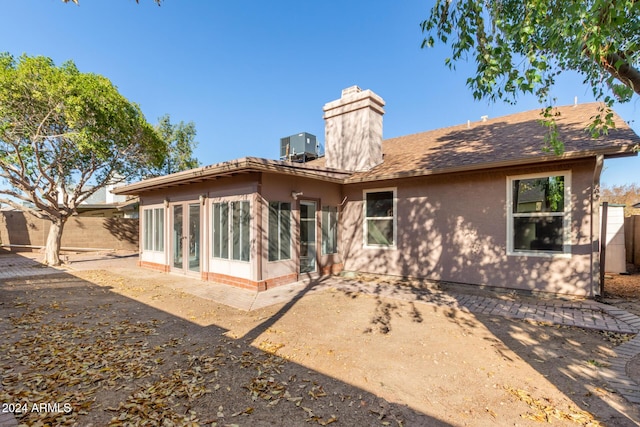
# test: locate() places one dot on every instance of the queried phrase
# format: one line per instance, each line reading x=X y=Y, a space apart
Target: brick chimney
x=353 y=130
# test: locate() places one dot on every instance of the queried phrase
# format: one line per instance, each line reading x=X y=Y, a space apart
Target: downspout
x=595 y=227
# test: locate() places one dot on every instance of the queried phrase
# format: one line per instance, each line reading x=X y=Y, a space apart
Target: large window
x=231 y=230
x=380 y=218
x=279 y=231
x=153 y=239
x=329 y=230
x=539 y=214
x=221 y=230
x=240 y=230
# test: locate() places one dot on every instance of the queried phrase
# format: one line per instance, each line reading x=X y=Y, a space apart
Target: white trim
x=150 y=255
x=154 y=228
x=322 y=228
x=566 y=223
x=279 y=235
x=313 y=203
x=230 y=231
x=365 y=229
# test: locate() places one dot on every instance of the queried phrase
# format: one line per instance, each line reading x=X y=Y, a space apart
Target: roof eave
x=244 y=165
x=625 y=151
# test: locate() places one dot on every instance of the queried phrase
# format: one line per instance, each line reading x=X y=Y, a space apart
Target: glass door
x=185 y=240
x=177 y=237
x=307 y=237
x=194 y=237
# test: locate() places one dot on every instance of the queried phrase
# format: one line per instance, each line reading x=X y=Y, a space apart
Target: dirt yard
x=119 y=348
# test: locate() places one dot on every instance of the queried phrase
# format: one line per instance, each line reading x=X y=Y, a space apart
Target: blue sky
x=250 y=72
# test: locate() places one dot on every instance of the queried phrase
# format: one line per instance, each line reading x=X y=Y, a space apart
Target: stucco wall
x=279 y=188
x=259 y=190
x=21 y=228
x=454 y=228
x=241 y=187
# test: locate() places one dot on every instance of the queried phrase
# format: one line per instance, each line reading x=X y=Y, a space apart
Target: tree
x=522 y=46
x=63 y=135
x=627 y=195
x=180 y=143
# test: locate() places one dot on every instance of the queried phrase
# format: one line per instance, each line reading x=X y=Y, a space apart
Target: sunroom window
x=279 y=231
x=231 y=230
x=153 y=239
x=539 y=215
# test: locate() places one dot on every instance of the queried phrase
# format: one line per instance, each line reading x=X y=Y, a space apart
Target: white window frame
x=365 y=226
x=566 y=214
x=327 y=234
x=231 y=233
x=217 y=240
x=243 y=209
x=156 y=243
x=278 y=237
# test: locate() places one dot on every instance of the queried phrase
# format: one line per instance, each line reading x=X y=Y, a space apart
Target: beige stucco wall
x=241 y=187
x=353 y=130
x=279 y=188
x=259 y=190
x=454 y=228
x=449 y=227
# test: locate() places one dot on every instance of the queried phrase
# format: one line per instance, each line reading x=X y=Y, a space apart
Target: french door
x=185 y=238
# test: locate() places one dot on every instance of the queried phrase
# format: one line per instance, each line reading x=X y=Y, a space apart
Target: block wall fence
x=21 y=230
x=632 y=239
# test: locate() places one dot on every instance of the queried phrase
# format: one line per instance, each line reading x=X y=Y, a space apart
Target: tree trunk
x=54 y=239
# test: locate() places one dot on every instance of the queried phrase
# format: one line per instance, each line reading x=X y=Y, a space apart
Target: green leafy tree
x=180 y=141
x=63 y=135
x=522 y=46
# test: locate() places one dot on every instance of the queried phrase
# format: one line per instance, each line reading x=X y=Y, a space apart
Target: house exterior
x=104 y=204
x=481 y=203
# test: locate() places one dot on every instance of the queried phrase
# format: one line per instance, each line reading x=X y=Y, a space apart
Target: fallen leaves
x=543 y=410
x=118 y=367
x=616 y=338
x=156 y=403
x=73 y=359
x=69 y=363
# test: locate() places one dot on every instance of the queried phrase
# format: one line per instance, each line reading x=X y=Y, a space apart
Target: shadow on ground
x=570 y=358
x=84 y=354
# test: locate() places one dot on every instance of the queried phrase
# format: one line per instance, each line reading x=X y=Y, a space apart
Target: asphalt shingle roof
x=512 y=139
x=504 y=141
